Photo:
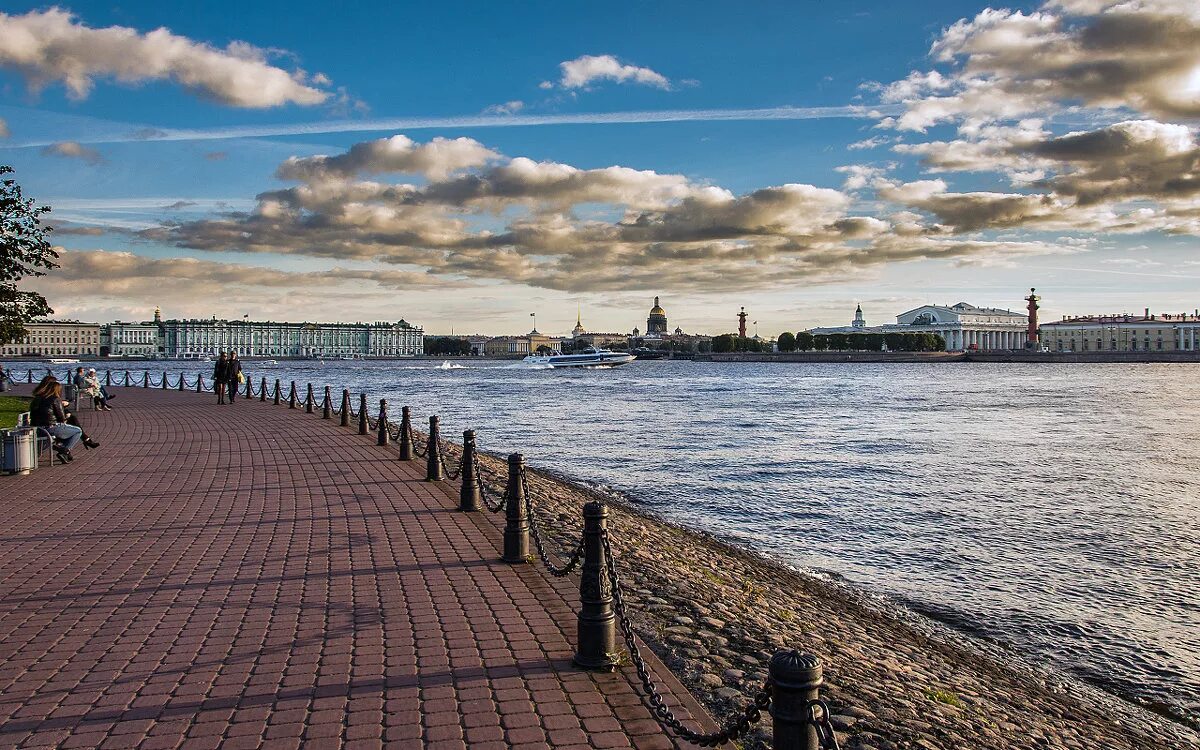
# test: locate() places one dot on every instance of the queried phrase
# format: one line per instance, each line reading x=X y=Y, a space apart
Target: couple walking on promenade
x=228 y=377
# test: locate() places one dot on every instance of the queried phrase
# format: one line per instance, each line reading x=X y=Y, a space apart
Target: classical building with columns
x=966 y=327
x=1162 y=332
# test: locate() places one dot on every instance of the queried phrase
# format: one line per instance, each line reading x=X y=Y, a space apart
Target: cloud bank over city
x=1020 y=135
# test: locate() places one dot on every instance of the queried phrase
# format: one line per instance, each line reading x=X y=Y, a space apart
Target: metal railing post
x=200 y=383
x=262 y=389
x=181 y=379
x=292 y=396
x=308 y=400
x=363 y=423
x=107 y=377
x=383 y=423
x=249 y=389
x=468 y=494
x=796 y=684
x=433 y=452
x=516 y=525
x=345 y=407
x=146 y=379
x=127 y=378
x=327 y=406
x=164 y=383
x=277 y=390
x=406 y=446
x=597 y=624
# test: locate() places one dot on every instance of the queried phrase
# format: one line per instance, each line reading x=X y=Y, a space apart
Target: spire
x=579 y=316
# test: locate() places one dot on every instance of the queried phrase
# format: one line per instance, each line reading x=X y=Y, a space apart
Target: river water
x=1054 y=508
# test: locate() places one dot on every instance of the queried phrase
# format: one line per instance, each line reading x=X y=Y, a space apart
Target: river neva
x=1052 y=508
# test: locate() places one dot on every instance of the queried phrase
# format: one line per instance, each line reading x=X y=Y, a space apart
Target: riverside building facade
x=119 y=339
x=56 y=338
x=966 y=327
x=183 y=339
x=1164 y=332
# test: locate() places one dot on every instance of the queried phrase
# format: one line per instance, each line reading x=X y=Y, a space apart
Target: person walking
x=236 y=378
x=221 y=377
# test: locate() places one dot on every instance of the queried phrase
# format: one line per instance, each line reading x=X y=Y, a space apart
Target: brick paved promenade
x=253 y=576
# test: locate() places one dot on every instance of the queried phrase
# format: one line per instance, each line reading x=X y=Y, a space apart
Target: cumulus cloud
x=586 y=70
x=507 y=108
x=1142 y=55
x=52 y=46
x=397 y=154
x=73 y=150
x=557 y=226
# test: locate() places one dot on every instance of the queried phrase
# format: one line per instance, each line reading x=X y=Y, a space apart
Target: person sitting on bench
x=46 y=411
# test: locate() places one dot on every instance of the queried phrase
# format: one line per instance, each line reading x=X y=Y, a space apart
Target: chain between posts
x=489 y=500
x=555 y=570
x=733 y=728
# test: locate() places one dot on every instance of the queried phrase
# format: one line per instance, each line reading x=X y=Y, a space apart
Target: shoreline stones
x=715 y=614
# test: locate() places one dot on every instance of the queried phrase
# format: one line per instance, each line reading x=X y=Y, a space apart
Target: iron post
x=597 y=624
x=127 y=378
x=107 y=377
x=345 y=407
x=146 y=379
x=433 y=453
x=406 y=446
x=164 y=383
x=292 y=396
x=308 y=400
x=277 y=390
x=796 y=682
x=200 y=383
x=363 y=423
x=181 y=379
x=468 y=495
x=262 y=389
x=516 y=525
x=327 y=406
x=383 y=425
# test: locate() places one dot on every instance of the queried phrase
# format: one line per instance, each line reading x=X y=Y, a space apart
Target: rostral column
x=1031 y=339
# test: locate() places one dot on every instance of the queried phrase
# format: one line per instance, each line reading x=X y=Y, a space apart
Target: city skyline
x=835 y=157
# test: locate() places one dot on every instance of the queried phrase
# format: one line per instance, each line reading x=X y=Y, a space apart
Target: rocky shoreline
x=715 y=614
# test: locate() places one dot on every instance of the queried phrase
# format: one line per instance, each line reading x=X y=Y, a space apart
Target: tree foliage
x=787 y=342
x=446 y=345
x=872 y=342
x=24 y=251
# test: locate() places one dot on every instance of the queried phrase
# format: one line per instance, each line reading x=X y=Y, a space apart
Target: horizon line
x=763 y=114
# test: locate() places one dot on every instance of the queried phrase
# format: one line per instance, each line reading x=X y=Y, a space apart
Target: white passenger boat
x=63 y=361
x=587 y=358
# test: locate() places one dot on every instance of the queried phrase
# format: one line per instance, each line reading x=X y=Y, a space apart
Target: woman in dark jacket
x=46 y=411
x=234 y=371
x=221 y=377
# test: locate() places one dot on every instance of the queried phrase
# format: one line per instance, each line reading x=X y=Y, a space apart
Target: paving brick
x=225 y=578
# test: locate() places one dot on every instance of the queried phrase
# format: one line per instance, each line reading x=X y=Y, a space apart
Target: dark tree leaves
x=25 y=250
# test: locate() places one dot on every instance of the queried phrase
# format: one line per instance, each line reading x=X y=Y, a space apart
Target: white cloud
x=507 y=108
x=73 y=150
x=53 y=46
x=588 y=69
x=398 y=154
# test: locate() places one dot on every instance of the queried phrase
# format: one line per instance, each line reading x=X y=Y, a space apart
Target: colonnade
x=959 y=339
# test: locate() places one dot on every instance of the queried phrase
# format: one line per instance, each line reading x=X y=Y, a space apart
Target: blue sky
x=155 y=178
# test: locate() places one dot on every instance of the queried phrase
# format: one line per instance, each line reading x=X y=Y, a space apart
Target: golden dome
x=656 y=310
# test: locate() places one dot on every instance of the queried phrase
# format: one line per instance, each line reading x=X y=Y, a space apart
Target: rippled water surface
x=1051 y=507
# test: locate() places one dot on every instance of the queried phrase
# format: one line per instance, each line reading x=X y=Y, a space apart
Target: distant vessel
x=589 y=357
x=63 y=361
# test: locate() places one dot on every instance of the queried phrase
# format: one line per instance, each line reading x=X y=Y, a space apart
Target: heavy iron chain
x=734 y=727
x=494 y=506
x=555 y=570
x=413 y=434
x=442 y=460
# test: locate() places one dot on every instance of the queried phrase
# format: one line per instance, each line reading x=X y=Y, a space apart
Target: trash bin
x=20 y=450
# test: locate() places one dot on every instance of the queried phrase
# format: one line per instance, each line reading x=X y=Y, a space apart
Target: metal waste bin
x=20 y=450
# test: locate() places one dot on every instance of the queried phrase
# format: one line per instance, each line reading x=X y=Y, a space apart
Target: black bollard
x=406 y=446
x=362 y=414
x=597 y=629
x=164 y=383
x=249 y=389
x=127 y=378
x=345 y=407
x=181 y=379
x=468 y=494
x=383 y=425
x=516 y=525
x=308 y=400
x=146 y=379
x=327 y=407
x=433 y=452
x=292 y=396
x=277 y=390
x=796 y=683
x=200 y=383
x=262 y=389
x=107 y=377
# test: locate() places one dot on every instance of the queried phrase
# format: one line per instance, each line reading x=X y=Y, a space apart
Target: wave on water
x=450 y=366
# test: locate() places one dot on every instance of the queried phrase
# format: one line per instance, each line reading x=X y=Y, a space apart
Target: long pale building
x=191 y=338
x=1164 y=332
x=56 y=338
x=966 y=327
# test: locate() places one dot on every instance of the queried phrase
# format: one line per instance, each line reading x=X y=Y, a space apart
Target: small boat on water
x=63 y=361
x=589 y=357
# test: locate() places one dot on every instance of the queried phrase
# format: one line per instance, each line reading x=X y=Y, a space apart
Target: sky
x=464 y=165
